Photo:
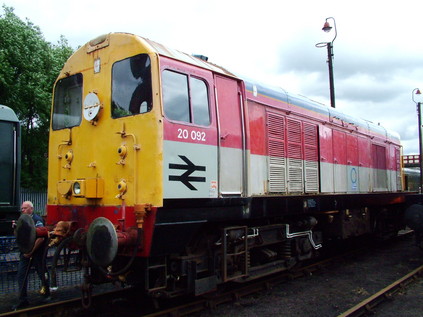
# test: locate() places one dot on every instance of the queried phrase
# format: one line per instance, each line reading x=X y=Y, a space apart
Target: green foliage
x=29 y=65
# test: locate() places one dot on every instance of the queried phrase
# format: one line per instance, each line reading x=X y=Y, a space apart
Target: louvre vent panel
x=276 y=148
x=295 y=176
x=311 y=158
x=311 y=176
x=310 y=134
x=293 y=155
x=311 y=154
x=277 y=179
x=294 y=151
x=277 y=160
x=311 y=164
x=294 y=131
x=277 y=153
x=275 y=126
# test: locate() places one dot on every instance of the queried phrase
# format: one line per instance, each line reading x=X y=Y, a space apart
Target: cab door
x=190 y=147
x=231 y=136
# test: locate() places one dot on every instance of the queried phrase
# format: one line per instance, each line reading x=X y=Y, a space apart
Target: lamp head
x=326 y=27
x=417 y=93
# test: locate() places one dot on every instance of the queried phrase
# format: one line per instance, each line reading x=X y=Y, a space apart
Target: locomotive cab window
x=185 y=98
x=131 y=86
x=67 y=107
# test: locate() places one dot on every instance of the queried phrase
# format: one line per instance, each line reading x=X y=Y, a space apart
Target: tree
x=29 y=66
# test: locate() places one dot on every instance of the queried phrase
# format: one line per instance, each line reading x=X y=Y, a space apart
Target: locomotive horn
x=25 y=233
x=102 y=242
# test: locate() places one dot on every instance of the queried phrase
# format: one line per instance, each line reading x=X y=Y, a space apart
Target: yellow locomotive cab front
x=105 y=154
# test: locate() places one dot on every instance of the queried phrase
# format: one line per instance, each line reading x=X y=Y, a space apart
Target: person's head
x=27 y=208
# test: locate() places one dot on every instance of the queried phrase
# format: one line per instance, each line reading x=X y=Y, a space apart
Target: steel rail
x=368 y=304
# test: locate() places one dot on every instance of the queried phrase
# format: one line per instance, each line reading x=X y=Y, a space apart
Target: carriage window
x=131 y=86
x=67 y=108
x=185 y=98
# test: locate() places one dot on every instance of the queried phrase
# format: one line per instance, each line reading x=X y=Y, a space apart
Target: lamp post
x=327 y=28
x=416 y=91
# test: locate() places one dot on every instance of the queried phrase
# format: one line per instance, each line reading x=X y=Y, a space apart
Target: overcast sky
x=378 y=51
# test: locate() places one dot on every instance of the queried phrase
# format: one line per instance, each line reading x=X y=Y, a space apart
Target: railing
x=9 y=260
x=9 y=254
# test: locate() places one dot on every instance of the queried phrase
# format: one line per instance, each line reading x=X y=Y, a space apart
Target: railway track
x=369 y=304
x=234 y=295
x=73 y=307
x=123 y=299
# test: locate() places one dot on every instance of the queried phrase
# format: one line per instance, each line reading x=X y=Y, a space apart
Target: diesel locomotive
x=174 y=174
x=10 y=167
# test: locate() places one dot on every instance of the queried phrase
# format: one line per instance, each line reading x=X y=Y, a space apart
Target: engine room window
x=185 y=98
x=131 y=86
x=67 y=107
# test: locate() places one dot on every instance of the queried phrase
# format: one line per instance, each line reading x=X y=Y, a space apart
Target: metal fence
x=38 y=198
x=9 y=260
x=9 y=254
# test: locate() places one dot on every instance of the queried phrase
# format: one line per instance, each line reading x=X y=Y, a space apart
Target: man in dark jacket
x=35 y=258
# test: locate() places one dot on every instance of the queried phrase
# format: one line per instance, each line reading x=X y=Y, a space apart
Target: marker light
x=76 y=188
x=122 y=186
x=122 y=151
x=69 y=156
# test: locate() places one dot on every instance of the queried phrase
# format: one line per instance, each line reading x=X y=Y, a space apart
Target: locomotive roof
x=7 y=114
x=325 y=111
x=275 y=92
x=187 y=58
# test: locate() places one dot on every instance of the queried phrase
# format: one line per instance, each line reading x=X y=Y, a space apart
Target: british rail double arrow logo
x=190 y=168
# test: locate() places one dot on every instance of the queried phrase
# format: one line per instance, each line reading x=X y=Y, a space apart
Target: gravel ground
x=338 y=287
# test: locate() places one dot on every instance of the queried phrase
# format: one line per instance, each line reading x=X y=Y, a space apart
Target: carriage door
x=8 y=163
x=229 y=102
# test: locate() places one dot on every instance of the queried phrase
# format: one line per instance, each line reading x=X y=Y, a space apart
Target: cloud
x=373 y=81
x=377 y=62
